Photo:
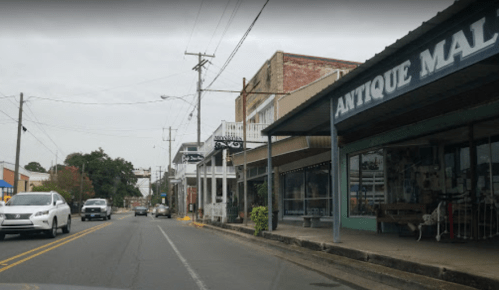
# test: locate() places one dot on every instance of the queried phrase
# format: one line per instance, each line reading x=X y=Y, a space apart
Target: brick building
x=7 y=171
x=284 y=72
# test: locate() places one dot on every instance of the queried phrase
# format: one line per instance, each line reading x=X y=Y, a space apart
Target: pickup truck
x=96 y=208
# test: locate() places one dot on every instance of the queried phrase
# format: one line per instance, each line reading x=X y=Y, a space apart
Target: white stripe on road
x=184 y=261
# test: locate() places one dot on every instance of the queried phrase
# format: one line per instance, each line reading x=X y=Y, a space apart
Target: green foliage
x=112 y=178
x=260 y=216
x=68 y=183
x=59 y=168
x=262 y=192
x=35 y=167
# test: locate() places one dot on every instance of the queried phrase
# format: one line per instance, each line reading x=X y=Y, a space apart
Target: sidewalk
x=471 y=263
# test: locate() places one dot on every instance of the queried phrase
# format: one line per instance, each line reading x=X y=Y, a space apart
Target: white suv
x=96 y=208
x=28 y=212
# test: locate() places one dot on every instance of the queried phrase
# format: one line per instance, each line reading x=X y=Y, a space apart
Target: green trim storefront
x=416 y=126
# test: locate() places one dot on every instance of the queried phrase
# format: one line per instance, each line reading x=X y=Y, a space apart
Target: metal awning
x=312 y=118
x=4 y=184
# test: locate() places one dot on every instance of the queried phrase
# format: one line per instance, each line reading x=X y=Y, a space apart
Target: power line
x=216 y=28
x=94 y=103
x=238 y=45
x=195 y=22
x=231 y=18
x=43 y=130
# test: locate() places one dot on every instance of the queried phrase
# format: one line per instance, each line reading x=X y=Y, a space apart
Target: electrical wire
x=94 y=103
x=231 y=56
x=218 y=24
x=43 y=130
x=195 y=22
x=232 y=16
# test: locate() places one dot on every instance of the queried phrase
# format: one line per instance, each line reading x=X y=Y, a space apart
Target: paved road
x=130 y=252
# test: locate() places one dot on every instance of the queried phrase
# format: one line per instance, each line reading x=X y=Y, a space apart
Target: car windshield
x=95 y=202
x=140 y=208
x=30 y=199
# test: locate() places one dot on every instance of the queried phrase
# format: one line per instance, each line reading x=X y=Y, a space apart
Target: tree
x=68 y=182
x=59 y=168
x=35 y=167
x=112 y=178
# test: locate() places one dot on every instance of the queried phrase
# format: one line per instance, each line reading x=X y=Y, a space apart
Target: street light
x=164 y=97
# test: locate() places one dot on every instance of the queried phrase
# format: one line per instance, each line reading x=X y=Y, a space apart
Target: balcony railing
x=235 y=129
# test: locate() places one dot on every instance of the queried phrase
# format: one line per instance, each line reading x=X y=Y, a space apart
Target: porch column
x=269 y=179
x=205 y=187
x=199 y=188
x=334 y=177
x=213 y=188
x=185 y=196
x=224 y=185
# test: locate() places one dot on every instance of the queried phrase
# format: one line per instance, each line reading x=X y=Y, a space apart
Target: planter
x=275 y=216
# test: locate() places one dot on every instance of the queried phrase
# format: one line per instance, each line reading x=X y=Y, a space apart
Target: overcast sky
x=107 y=53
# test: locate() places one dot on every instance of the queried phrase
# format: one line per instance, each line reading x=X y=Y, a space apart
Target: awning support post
x=334 y=177
x=269 y=179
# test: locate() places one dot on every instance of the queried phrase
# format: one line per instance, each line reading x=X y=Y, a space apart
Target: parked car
x=96 y=208
x=35 y=212
x=163 y=210
x=140 y=210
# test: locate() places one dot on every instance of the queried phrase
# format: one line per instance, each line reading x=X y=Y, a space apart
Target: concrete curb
x=333 y=252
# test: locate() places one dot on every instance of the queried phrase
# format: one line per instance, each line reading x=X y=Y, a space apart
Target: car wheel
x=104 y=218
x=109 y=217
x=67 y=227
x=146 y=214
x=2 y=236
x=135 y=214
x=52 y=233
x=82 y=219
x=169 y=216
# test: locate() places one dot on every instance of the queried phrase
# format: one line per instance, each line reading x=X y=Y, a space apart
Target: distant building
x=37 y=178
x=7 y=171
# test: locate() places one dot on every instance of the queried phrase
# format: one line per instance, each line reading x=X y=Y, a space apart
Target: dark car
x=140 y=210
x=163 y=210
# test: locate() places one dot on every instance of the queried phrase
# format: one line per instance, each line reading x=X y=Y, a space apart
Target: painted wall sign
x=466 y=43
x=192 y=157
x=228 y=142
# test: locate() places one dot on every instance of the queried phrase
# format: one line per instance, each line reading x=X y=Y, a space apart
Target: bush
x=260 y=216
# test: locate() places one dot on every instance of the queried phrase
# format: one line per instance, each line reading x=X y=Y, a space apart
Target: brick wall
x=285 y=72
x=300 y=70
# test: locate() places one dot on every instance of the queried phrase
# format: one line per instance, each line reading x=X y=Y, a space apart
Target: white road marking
x=184 y=261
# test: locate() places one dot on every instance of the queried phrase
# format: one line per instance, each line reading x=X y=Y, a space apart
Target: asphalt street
x=141 y=252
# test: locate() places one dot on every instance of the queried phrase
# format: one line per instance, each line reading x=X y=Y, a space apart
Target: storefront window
x=294 y=193
x=317 y=191
x=366 y=183
x=307 y=191
x=457 y=169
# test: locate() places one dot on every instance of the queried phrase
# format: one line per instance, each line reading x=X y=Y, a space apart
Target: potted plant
x=262 y=191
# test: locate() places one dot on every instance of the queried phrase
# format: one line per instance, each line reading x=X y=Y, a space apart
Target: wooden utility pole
x=245 y=185
x=199 y=67
x=81 y=187
x=170 y=169
x=18 y=148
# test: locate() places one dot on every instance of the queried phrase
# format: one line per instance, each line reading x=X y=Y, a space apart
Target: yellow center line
x=58 y=241
x=51 y=248
x=125 y=217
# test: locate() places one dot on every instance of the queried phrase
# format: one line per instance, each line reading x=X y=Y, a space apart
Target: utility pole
x=159 y=191
x=170 y=169
x=244 y=154
x=18 y=148
x=81 y=187
x=199 y=67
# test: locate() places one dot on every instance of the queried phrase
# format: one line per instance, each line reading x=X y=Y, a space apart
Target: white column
x=213 y=188
x=224 y=185
x=205 y=187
